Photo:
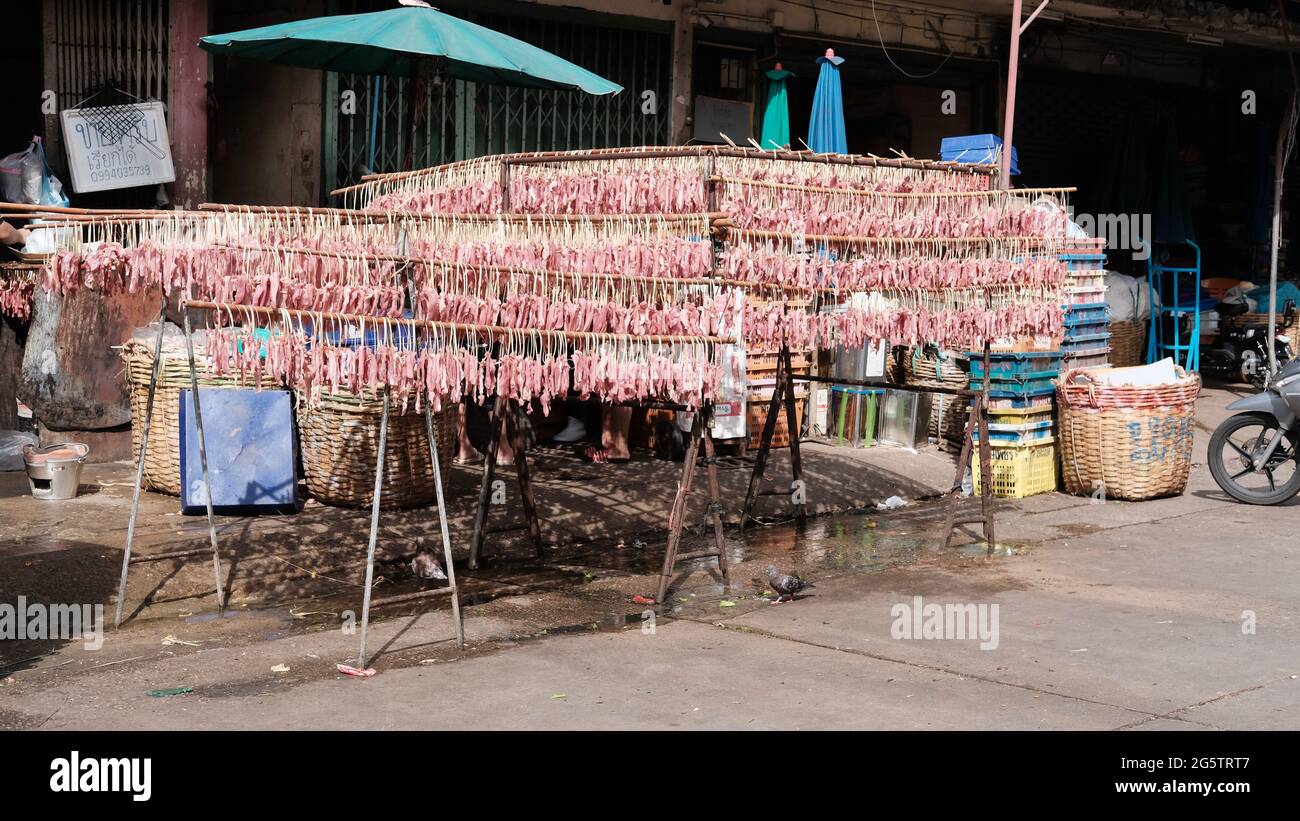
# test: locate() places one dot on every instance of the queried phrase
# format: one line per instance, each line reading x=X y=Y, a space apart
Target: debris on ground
x=726 y=603
x=348 y=670
x=892 y=503
x=166 y=692
x=169 y=640
x=280 y=668
x=639 y=599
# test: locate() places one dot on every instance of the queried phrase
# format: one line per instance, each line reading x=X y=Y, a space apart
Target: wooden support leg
x=520 y=446
x=677 y=515
x=792 y=423
x=963 y=463
x=978 y=421
x=203 y=459
x=715 y=500
x=485 y=491
x=443 y=528
x=986 y=456
x=139 y=467
x=764 y=445
x=374 y=533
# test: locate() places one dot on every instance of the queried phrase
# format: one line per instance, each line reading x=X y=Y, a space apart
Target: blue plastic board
x=250 y=442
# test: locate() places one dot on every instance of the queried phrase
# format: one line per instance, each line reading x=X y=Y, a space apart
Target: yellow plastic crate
x=1019 y=470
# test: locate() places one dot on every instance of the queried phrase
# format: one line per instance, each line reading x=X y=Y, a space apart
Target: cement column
x=187 y=103
x=683 y=66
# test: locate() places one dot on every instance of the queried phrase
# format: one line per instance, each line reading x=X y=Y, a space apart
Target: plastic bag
x=11 y=175
x=11 y=448
x=27 y=178
x=40 y=186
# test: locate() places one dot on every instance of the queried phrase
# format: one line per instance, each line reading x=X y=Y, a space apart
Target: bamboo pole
x=860 y=192
x=841 y=238
x=669 y=152
x=455 y=327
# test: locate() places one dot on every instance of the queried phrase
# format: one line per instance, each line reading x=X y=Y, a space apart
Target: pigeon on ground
x=785 y=585
x=425 y=564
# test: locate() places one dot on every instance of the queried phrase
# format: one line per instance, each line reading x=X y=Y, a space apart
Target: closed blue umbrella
x=826 y=128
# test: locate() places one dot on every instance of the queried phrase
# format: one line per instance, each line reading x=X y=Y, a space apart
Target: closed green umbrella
x=396 y=42
x=775 y=132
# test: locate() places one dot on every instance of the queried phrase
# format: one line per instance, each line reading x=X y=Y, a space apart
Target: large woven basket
x=339 y=440
x=1128 y=343
x=1126 y=442
x=936 y=369
x=928 y=367
x=162 y=463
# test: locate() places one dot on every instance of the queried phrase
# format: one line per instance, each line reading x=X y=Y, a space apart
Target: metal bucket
x=54 y=471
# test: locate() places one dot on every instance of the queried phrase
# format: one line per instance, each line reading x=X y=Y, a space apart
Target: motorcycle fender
x=1269 y=403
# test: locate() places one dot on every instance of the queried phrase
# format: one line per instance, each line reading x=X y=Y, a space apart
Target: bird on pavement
x=786 y=585
x=425 y=564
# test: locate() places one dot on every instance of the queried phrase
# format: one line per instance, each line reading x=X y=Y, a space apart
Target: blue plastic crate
x=1040 y=403
x=1089 y=358
x=251 y=447
x=1014 y=365
x=977 y=148
x=1080 y=330
x=1038 y=384
x=1018 y=434
x=1072 y=346
x=1088 y=313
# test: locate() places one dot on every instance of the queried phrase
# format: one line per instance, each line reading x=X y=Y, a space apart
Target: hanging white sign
x=119 y=146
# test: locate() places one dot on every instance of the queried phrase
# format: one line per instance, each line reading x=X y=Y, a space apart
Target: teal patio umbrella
x=826 y=126
x=406 y=42
x=775 y=132
x=398 y=42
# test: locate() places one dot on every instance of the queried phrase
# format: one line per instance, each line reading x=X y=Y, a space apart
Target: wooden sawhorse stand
x=783 y=395
x=511 y=412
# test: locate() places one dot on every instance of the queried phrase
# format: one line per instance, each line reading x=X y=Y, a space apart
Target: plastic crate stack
x=1086 y=342
x=1022 y=431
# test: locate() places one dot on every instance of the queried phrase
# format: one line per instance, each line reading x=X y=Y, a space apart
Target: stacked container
x=1086 y=342
x=1022 y=432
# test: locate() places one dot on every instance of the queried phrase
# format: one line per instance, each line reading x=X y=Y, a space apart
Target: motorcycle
x=1241 y=351
x=1255 y=456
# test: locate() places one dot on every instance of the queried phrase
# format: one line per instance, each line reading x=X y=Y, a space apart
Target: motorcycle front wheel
x=1233 y=448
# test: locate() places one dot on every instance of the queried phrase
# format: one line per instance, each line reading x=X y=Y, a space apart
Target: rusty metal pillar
x=187 y=100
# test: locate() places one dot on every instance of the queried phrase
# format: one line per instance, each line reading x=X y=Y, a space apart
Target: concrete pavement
x=1172 y=614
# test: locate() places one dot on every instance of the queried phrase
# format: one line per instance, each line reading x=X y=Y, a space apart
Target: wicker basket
x=162 y=463
x=1126 y=442
x=1291 y=329
x=936 y=369
x=339 y=440
x=1128 y=343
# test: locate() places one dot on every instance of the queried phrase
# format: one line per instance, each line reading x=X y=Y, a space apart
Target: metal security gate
x=99 y=42
x=456 y=120
x=103 y=45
